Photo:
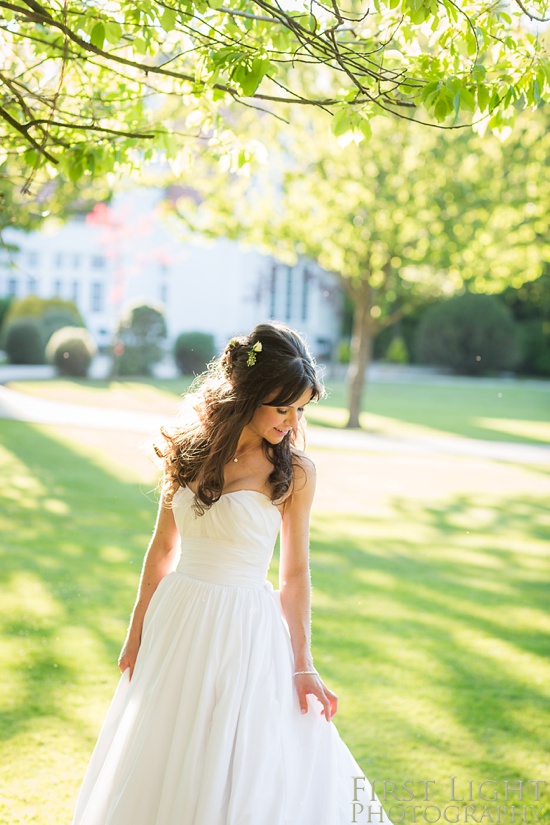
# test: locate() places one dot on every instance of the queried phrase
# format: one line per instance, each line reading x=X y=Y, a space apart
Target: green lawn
x=430 y=622
x=510 y=411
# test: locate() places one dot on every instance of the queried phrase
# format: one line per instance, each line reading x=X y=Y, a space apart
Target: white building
x=128 y=251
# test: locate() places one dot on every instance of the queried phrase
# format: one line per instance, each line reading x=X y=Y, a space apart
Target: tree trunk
x=361 y=350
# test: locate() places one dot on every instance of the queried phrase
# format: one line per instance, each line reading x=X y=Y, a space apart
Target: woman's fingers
x=127 y=657
x=313 y=684
x=330 y=704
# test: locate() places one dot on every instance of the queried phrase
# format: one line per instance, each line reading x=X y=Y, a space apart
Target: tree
x=140 y=336
x=402 y=217
x=94 y=89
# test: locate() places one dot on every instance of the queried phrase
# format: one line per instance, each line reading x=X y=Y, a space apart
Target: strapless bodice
x=232 y=543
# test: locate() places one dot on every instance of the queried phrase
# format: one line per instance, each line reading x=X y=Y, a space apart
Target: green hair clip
x=257 y=347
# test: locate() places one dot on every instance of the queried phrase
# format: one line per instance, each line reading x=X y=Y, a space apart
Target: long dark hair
x=223 y=400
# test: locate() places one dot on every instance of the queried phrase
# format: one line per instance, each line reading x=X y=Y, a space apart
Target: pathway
x=22 y=407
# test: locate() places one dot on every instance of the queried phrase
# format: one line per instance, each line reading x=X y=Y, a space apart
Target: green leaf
x=365 y=128
x=250 y=76
x=451 y=12
x=341 y=122
x=495 y=101
x=76 y=170
x=479 y=72
x=215 y=4
x=30 y=157
x=483 y=98
x=467 y=100
x=456 y=102
x=429 y=89
x=97 y=36
x=471 y=42
x=168 y=19
x=441 y=109
x=113 y=32
x=140 y=45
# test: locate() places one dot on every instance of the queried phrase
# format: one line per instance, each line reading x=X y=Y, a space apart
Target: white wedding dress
x=209 y=730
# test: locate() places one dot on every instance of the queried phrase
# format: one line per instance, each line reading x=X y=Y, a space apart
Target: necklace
x=243 y=452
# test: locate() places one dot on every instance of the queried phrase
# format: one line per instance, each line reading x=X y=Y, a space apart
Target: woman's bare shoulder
x=304 y=471
x=302 y=460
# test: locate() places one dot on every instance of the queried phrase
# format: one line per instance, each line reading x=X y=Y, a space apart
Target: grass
x=510 y=411
x=430 y=614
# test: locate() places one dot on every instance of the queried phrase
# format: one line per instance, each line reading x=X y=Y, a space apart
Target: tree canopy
x=403 y=217
x=90 y=89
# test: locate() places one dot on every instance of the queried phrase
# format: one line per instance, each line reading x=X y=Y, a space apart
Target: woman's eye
x=281 y=412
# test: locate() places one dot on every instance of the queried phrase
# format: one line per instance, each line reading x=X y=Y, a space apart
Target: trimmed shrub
x=471 y=334
x=141 y=333
x=55 y=319
x=530 y=306
x=535 y=348
x=23 y=341
x=5 y=304
x=193 y=351
x=50 y=314
x=397 y=352
x=34 y=307
x=71 y=350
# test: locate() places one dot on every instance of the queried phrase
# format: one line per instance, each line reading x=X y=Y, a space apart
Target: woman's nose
x=292 y=419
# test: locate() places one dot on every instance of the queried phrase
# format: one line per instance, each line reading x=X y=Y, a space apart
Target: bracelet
x=303 y=672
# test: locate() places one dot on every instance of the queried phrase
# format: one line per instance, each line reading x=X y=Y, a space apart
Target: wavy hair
x=221 y=401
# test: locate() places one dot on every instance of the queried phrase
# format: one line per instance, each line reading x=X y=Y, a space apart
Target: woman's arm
x=160 y=559
x=295 y=588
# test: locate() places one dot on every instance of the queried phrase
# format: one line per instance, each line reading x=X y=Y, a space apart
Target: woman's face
x=273 y=423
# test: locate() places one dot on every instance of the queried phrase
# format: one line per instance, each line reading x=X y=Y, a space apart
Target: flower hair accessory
x=251 y=360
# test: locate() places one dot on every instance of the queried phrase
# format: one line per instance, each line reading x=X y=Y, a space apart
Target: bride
x=220 y=716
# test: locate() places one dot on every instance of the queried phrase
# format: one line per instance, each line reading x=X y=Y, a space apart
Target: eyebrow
x=265 y=404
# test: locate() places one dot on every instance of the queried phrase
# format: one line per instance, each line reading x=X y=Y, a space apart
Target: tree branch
x=23 y=130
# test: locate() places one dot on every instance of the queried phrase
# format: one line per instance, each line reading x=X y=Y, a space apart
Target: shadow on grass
x=447 y=409
x=440 y=634
x=443 y=638
x=74 y=540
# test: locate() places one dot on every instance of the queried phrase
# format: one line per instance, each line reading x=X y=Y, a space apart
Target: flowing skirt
x=209 y=730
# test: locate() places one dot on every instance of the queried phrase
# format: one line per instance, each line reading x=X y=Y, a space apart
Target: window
x=57 y=288
x=288 y=293
x=58 y=260
x=75 y=262
x=32 y=286
x=306 y=277
x=12 y=287
x=97 y=297
x=164 y=293
x=273 y=293
x=98 y=262
x=32 y=259
x=75 y=291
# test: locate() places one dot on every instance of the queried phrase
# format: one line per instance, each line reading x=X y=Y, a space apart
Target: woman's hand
x=128 y=654
x=312 y=683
